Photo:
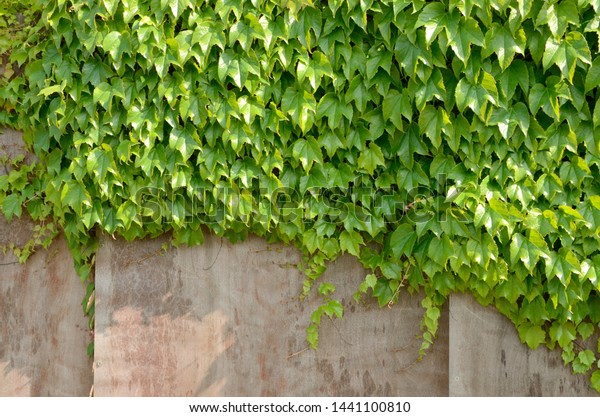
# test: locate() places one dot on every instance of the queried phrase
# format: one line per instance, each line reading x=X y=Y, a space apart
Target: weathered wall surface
x=43 y=334
x=488 y=359
x=225 y=319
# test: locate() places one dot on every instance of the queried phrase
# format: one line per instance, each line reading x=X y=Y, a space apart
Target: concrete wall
x=488 y=359
x=43 y=334
x=225 y=319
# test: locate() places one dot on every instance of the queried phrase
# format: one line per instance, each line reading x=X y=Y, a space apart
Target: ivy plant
x=450 y=146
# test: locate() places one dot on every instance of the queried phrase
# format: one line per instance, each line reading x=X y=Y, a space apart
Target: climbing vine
x=448 y=145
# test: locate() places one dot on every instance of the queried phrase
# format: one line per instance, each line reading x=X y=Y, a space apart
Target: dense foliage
x=448 y=145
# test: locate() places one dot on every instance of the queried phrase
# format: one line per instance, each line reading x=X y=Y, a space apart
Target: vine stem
x=291 y=355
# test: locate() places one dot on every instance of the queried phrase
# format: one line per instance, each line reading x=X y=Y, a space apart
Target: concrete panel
x=488 y=359
x=43 y=333
x=11 y=146
x=222 y=319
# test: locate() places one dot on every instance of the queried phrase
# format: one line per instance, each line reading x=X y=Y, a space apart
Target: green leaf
x=111 y=6
x=208 y=34
x=586 y=329
x=477 y=96
x=331 y=107
x=431 y=122
x=433 y=17
x=350 y=241
x=236 y=67
x=116 y=44
x=501 y=41
x=334 y=308
x=508 y=120
x=565 y=53
x=312 y=336
x=371 y=158
x=596 y=380
x=441 y=249
x=103 y=94
x=462 y=33
x=11 y=206
x=522 y=249
x=558 y=16
x=380 y=58
x=74 y=195
x=301 y=106
x=532 y=335
x=308 y=152
x=561 y=266
x=403 y=240
x=98 y=162
x=542 y=97
x=584 y=361
x=410 y=144
x=396 y=105
x=592 y=79
x=563 y=333
x=326 y=288
x=182 y=141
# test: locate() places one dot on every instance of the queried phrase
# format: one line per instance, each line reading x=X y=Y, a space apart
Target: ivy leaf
x=182 y=141
x=103 y=94
x=584 y=361
x=116 y=44
x=111 y=6
x=561 y=266
x=542 y=97
x=441 y=249
x=331 y=107
x=532 y=335
x=396 y=105
x=350 y=241
x=411 y=144
x=308 y=152
x=358 y=92
x=231 y=65
x=208 y=34
x=98 y=162
x=592 y=79
x=462 y=33
x=563 y=333
x=380 y=58
x=431 y=123
x=11 y=206
x=301 y=106
x=477 y=96
x=558 y=16
x=403 y=240
x=565 y=53
x=74 y=195
x=370 y=158
x=433 y=17
x=504 y=44
x=596 y=380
